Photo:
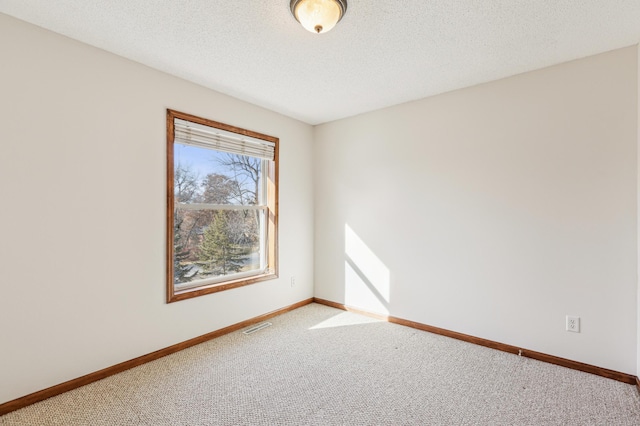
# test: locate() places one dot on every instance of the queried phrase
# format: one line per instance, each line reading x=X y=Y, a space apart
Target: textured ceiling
x=382 y=53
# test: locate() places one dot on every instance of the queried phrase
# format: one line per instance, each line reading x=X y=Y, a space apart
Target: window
x=222 y=198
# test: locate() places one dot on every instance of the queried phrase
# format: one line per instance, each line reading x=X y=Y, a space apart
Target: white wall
x=493 y=211
x=82 y=184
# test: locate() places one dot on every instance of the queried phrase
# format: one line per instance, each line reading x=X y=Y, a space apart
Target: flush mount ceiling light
x=318 y=16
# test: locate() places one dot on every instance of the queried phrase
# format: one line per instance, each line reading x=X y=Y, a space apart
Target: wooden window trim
x=272 y=216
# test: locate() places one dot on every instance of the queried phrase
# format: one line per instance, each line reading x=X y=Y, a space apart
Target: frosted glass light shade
x=318 y=16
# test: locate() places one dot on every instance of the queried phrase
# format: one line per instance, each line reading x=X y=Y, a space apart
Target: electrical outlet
x=293 y=281
x=573 y=324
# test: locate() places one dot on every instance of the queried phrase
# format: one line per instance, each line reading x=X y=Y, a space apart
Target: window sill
x=216 y=287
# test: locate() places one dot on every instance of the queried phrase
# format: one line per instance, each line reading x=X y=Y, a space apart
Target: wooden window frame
x=174 y=295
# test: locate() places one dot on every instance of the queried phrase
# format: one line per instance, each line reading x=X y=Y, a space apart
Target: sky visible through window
x=200 y=161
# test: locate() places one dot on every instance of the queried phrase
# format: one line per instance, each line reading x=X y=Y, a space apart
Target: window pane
x=212 y=177
x=217 y=243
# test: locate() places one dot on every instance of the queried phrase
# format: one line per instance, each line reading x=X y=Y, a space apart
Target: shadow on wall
x=367 y=279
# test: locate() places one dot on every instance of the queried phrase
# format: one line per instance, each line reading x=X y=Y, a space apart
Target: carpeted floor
x=322 y=366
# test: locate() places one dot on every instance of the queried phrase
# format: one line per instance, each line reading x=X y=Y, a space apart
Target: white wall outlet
x=293 y=281
x=573 y=324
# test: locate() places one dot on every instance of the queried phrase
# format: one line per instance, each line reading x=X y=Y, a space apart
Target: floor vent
x=257 y=327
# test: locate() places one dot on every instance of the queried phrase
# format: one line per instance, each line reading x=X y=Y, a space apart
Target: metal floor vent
x=257 y=327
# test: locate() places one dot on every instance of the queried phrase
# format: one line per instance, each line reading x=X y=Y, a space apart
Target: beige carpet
x=322 y=366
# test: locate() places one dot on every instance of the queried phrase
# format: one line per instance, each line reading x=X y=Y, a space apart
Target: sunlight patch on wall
x=367 y=279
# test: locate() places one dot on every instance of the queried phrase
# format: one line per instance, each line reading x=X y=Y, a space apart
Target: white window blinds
x=193 y=134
